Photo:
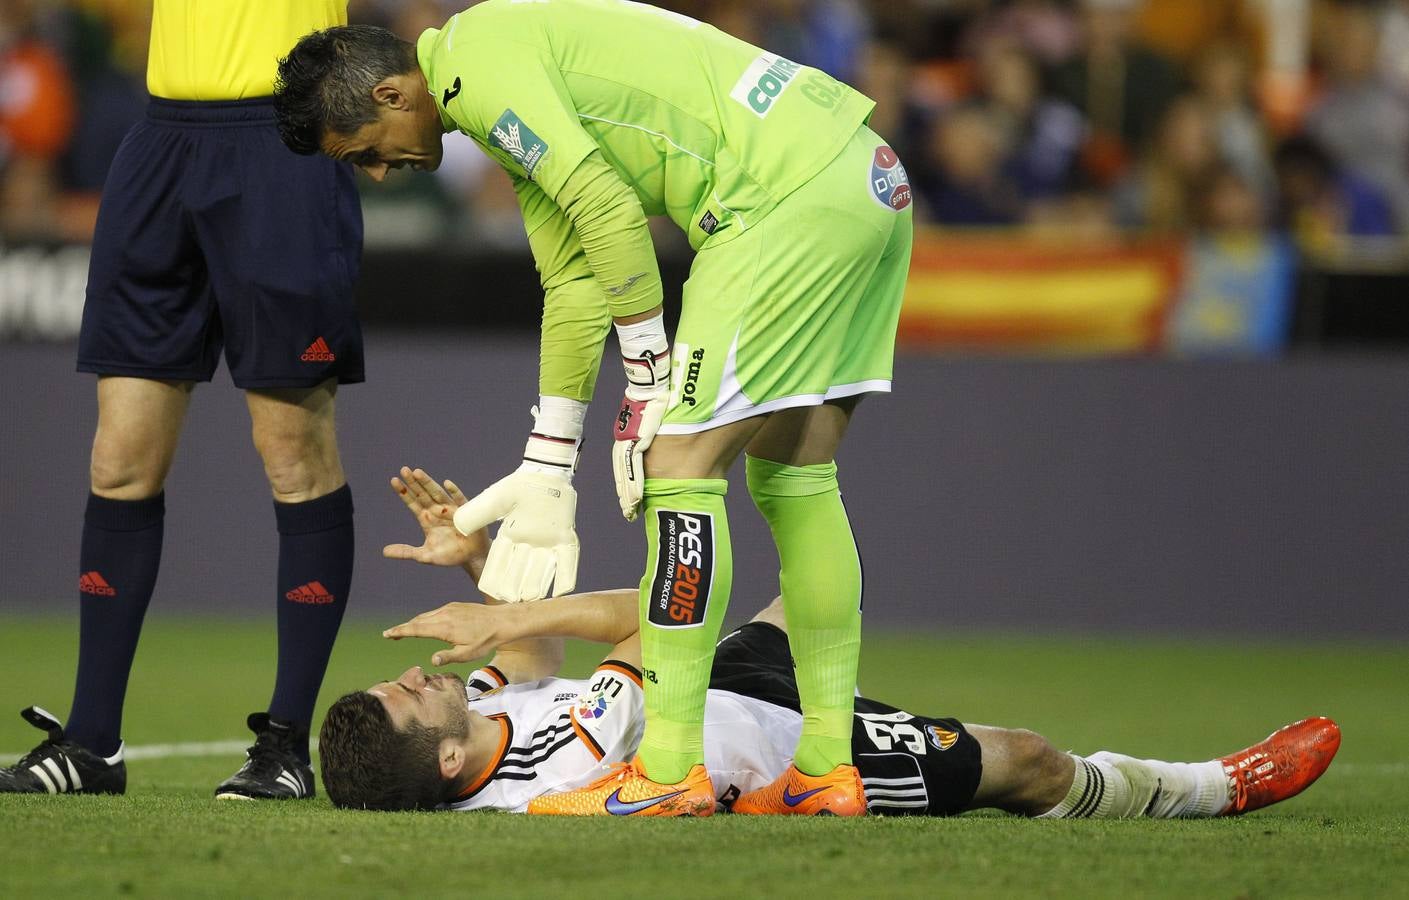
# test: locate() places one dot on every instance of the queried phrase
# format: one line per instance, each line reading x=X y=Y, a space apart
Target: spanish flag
x=1025 y=294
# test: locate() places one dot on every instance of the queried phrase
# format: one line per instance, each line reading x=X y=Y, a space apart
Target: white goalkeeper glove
x=536 y=547
x=645 y=354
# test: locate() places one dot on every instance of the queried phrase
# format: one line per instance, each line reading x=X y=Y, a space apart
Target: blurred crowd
x=1070 y=115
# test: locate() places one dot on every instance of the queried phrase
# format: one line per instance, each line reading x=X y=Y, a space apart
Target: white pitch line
x=174 y=751
x=191 y=749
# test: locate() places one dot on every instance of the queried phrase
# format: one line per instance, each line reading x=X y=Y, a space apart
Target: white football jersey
x=558 y=734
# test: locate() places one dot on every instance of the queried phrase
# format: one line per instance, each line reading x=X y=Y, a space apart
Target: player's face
x=399 y=138
x=435 y=702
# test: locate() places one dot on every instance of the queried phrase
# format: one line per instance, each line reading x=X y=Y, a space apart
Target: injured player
x=492 y=741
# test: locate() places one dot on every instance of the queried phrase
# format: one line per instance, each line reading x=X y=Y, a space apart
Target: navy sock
x=118 y=564
x=315 y=573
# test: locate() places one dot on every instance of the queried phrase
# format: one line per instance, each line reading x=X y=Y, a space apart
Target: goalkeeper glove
x=645 y=354
x=536 y=547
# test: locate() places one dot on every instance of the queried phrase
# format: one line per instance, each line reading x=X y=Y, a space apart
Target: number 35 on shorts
x=888 y=731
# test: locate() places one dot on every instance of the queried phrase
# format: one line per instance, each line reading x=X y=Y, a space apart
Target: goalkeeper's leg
x=684 y=594
x=793 y=481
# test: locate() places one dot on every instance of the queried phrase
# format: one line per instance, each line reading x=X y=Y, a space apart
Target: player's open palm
x=472 y=629
x=434 y=507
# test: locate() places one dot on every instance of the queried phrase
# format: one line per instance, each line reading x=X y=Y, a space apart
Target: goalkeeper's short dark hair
x=368 y=764
x=325 y=83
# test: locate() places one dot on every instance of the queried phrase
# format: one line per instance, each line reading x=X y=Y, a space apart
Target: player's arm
x=433 y=504
x=474 y=629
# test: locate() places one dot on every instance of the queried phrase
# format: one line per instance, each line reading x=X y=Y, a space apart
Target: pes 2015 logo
x=684 y=569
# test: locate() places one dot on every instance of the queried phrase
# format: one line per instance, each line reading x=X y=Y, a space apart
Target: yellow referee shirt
x=228 y=49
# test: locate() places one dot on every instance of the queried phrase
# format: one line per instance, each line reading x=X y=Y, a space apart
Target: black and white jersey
x=555 y=734
x=558 y=734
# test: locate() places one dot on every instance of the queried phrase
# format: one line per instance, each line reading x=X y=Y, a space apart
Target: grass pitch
x=195 y=680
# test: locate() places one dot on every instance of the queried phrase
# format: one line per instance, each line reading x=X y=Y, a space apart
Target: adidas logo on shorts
x=318 y=351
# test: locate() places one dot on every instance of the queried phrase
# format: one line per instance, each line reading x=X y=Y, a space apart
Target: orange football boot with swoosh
x=795 y=793
x=626 y=791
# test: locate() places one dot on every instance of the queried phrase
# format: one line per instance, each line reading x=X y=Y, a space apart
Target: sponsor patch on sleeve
x=511 y=135
x=684 y=569
x=890 y=184
x=763 y=82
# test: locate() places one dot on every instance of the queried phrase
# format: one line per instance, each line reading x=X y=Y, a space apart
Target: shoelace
x=268 y=756
x=38 y=754
x=618 y=772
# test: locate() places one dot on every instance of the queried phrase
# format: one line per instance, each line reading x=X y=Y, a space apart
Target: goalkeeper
x=605 y=112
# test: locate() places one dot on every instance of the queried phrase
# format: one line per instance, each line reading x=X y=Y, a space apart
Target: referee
x=211 y=236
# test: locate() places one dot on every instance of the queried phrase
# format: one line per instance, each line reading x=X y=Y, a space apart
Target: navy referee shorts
x=213 y=235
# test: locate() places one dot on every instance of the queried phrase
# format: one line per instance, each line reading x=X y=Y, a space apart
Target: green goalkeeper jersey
x=608 y=111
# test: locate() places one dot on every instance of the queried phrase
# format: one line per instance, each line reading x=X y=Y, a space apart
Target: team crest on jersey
x=890 y=184
x=942 y=738
x=511 y=135
x=679 y=595
x=593 y=706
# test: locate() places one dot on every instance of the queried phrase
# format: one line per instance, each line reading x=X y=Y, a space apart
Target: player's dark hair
x=325 y=83
x=368 y=764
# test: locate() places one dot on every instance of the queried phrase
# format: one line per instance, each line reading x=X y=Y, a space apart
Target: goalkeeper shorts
x=802 y=306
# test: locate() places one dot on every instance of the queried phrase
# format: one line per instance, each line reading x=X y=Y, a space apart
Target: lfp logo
x=889 y=183
x=593 y=707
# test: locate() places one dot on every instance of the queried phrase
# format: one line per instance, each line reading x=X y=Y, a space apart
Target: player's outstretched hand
x=536 y=547
x=472 y=629
x=434 y=507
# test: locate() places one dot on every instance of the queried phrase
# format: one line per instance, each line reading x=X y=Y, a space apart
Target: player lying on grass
x=437 y=741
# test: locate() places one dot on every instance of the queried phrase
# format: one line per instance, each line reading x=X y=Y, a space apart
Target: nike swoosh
x=618 y=807
x=794 y=799
x=626 y=285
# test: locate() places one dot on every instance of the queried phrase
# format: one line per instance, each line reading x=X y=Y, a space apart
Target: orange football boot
x=795 y=793
x=626 y=791
x=1282 y=766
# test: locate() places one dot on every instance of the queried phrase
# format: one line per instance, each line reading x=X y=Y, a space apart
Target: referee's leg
x=139 y=425
x=295 y=434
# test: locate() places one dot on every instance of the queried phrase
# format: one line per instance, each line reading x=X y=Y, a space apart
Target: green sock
x=689 y=570
x=821 y=585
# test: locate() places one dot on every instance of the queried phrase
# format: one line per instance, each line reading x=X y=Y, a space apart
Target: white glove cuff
x=645 y=352
x=559 y=417
x=554 y=445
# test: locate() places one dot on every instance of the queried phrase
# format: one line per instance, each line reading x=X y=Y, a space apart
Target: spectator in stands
x=827 y=34
x=1163 y=191
x=1222 y=79
x=968 y=185
x=108 y=59
x=1230 y=203
x=1394 y=46
x=1040 y=137
x=36 y=119
x=1046 y=29
x=1121 y=86
x=1320 y=200
x=1360 y=121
